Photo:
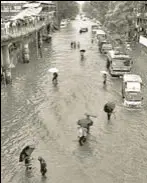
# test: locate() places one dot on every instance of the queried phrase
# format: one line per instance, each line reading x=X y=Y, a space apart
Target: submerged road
x=34 y=111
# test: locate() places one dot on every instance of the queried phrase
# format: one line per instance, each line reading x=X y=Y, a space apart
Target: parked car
x=100 y=34
x=94 y=28
x=83 y=29
x=101 y=42
x=131 y=90
x=105 y=48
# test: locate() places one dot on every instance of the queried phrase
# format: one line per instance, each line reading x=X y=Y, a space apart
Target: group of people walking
x=75 y=44
x=25 y=156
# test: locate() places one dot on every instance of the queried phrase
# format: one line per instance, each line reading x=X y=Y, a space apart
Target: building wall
x=11 y=8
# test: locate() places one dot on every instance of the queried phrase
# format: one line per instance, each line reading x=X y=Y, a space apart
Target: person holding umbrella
x=104 y=73
x=55 y=75
x=25 y=156
x=43 y=166
x=82 y=53
x=86 y=122
x=109 y=108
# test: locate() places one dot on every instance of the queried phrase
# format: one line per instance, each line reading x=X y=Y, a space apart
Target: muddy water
x=34 y=111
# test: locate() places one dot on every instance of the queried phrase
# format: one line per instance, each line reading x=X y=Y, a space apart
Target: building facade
x=141 y=23
x=11 y=8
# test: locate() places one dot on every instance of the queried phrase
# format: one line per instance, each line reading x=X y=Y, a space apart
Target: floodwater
x=36 y=112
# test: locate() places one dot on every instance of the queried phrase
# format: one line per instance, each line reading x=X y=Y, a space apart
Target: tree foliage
x=67 y=9
x=117 y=15
x=121 y=15
x=96 y=9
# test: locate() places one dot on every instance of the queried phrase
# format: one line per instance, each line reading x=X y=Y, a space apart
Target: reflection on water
x=35 y=111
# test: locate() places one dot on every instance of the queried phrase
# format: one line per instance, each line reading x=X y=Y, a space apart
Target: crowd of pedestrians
x=17 y=25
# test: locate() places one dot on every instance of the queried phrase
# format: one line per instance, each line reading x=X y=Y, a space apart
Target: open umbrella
x=27 y=151
x=109 y=107
x=86 y=114
x=104 y=72
x=84 y=122
x=52 y=70
x=83 y=50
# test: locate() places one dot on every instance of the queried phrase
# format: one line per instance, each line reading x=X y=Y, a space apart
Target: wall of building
x=11 y=8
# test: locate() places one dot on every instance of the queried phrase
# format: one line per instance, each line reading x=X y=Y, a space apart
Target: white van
x=132 y=90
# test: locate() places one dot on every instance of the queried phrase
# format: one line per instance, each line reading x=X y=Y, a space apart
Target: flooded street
x=34 y=111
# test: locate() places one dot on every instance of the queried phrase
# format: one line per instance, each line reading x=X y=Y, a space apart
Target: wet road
x=33 y=111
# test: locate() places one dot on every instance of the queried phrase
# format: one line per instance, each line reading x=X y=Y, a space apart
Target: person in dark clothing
x=71 y=44
x=55 y=76
x=43 y=166
x=105 y=79
x=108 y=65
x=109 y=111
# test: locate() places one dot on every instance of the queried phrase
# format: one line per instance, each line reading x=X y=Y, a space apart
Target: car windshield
x=94 y=27
x=121 y=62
x=133 y=86
x=107 y=45
x=133 y=96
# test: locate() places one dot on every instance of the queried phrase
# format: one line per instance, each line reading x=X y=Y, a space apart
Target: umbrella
x=27 y=151
x=109 y=107
x=85 y=122
x=83 y=50
x=53 y=70
x=90 y=115
x=104 y=72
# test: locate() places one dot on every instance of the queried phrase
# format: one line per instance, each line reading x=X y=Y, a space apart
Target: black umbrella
x=85 y=122
x=27 y=151
x=109 y=107
x=83 y=50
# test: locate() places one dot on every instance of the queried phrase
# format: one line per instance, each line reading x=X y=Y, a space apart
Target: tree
x=96 y=9
x=121 y=16
x=67 y=9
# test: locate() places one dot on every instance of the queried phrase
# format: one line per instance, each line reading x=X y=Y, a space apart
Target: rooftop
x=12 y=2
x=132 y=77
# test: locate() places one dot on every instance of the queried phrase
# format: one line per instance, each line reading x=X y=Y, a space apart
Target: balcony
x=16 y=32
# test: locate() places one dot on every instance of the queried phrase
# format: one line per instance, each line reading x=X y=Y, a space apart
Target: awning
x=31 y=5
x=46 y=2
x=27 y=13
x=143 y=40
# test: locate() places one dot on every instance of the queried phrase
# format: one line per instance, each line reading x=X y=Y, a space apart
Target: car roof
x=113 y=54
x=100 y=32
x=132 y=77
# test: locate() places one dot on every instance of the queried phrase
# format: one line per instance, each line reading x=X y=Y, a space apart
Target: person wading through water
x=109 y=109
x=43 y=166
x=55 y=77
x=105 y=79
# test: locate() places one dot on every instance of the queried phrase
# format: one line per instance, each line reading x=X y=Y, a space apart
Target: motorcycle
x=82 y=134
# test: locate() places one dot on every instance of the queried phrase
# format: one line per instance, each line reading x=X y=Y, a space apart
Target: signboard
x=143 y=40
